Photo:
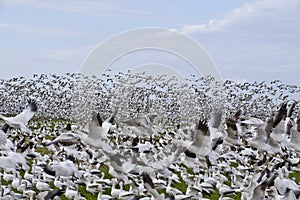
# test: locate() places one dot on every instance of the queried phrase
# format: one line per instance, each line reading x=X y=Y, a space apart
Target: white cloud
x=258 y=8
x=258 y=41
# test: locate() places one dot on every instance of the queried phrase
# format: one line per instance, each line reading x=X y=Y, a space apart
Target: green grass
x=181 y=185
x=43 y=150
x=238 y=196
x=234 y=164
x=107 y=191
x=162 y=191
x=213 y=196
x=4 y=182
x=63 y=197
x=126 y=187
x=295 y=176
x=105 y=170
x=86 y=194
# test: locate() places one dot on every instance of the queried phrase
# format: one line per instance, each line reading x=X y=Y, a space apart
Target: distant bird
x=201 y=144
x=109 y=121
x=64 y=168
x=99 y=129
x=257 y=190
x=202 y=140
x=95 y=131
x=53 y=193
x=66 y=138
x=149 y=185
x=141 y=124
x=20 y=121
x=3 y=137
x=281 y=114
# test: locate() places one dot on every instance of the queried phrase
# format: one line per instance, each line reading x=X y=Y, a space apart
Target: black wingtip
x=202 y=126
x=147 y=179
x=5 y=128
x=216 y=118
x=291 y=109
x=96 y=118
x=68 y=128
x=112 y=117
x=298 y=124
x=99 y=119
x=231 y=124
x=281 y=113
x=238 y=114
x=32 y=105
x=190 y=154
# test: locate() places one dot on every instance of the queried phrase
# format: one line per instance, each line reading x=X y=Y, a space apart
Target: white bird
x=284 y=185
x=148 y=183
x=66 y=138
x=108 y=122
x=95 y=127
x=141 y=124
x=3 y=137
x=65 y=168
x=202 y=140
x=42 y=186
x=20 y=121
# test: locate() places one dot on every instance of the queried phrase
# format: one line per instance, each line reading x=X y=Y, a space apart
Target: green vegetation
x=43 y=150
x=213 y=196
x=238 y=196
x=86 y=194
x=295 y=176
x=181 y=185
x=105 y=170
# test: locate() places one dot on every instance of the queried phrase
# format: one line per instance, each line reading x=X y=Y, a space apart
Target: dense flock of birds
x=139 y=137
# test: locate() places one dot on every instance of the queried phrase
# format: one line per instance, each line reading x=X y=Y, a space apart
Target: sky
x=248 y=40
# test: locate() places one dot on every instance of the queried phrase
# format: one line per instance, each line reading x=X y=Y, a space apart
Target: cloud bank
x=258 y=41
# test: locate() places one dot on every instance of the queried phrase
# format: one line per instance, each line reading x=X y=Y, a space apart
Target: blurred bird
x=20 y=121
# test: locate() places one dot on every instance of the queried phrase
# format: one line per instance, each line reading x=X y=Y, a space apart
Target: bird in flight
x=20 y=121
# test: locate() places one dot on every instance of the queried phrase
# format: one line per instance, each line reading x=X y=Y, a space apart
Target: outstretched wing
x=95 y=127
x=215 y=119
x=111 y=118
x=27 y=113
x=281 y=113
x=201 y=133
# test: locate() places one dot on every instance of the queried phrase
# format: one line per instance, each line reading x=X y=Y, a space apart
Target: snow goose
x=141 y=124
x=3 y=137
x=67 y=137
x=214 y=129
x=294 y=139
x=201 y=144
x=95 y=127
x=12 y=160
x=20 y=121
x=262 y=140
x=281 y=130
x=106 y=125
x=232 y=137
x=257 y=190
x=65 y=168
x=284 y=185
x=53 y=193
x=280 y=114
x=120 y=193
x=148 y=183
x=70 y=193
x=42 y=186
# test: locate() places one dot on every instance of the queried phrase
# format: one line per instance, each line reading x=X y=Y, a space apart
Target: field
x=165 y=141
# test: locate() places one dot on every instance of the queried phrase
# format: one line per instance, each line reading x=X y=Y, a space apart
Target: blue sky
x=247 y=39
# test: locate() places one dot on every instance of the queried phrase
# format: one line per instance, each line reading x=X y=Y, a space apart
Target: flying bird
x=20 y=121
